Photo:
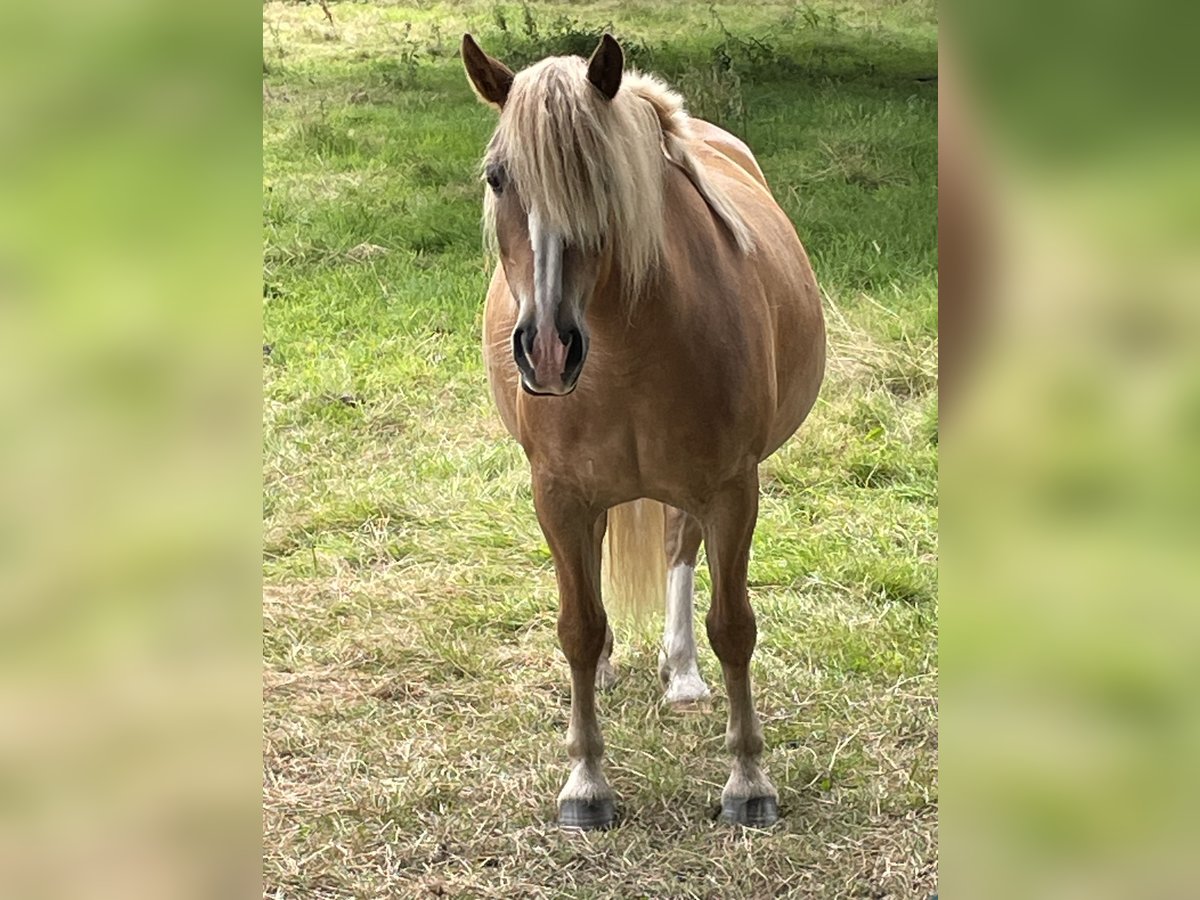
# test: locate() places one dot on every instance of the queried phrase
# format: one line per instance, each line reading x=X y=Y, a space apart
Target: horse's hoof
x=689 y=707
x=586 y=815
x=753 y=812
x=687 y=690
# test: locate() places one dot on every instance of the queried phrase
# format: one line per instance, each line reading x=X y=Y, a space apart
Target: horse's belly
x=799 y=377
x=799 y=343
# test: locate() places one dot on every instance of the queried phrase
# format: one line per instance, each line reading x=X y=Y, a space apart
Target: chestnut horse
x=653 y=331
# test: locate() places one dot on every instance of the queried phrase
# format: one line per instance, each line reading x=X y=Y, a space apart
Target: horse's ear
x=490 y=78
x=604 y=68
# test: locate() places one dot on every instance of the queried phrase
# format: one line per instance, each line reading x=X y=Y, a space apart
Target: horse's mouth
x=538 y=392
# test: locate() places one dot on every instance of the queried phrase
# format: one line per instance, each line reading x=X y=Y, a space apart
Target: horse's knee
x=732 y=632
x=581 y=634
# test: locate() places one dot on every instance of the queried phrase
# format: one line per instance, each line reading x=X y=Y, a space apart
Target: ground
x=414 y=697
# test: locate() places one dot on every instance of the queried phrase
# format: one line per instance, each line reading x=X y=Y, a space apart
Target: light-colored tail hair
x=635 y=559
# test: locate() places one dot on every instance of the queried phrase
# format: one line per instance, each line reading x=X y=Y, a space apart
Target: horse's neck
x=629 y=326
x=612 y=303
x=613 y=307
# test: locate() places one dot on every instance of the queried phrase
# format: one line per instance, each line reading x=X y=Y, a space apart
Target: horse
x=653 y=331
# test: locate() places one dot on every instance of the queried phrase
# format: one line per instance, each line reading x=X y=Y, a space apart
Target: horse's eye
x=495 y=178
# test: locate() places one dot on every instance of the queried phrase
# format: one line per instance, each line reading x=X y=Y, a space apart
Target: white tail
x=635 y=560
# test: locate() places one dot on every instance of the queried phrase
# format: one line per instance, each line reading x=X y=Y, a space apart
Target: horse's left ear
x=604 y=68
x=491 y=79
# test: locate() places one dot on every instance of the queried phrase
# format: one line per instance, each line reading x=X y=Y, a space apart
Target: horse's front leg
x=749 y=797
x=571 y=530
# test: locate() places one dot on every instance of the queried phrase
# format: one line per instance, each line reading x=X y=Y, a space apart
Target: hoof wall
x=753 y=812
x=703 y=706
x=586 y=815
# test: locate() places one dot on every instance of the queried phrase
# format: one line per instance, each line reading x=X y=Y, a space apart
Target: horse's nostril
x=575 y=351
x=523 y=340
x=522 y=347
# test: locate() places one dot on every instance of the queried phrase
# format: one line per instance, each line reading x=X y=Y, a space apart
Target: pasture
x=414 y=695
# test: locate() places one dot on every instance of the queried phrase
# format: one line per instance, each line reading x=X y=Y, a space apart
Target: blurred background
x=130 y=278
x=1070 y=577
x=130 y=272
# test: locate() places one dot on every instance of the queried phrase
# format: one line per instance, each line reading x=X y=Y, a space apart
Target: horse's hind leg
x=606 y=672
x=677 y=659
x=749 y=797
x=586 y=801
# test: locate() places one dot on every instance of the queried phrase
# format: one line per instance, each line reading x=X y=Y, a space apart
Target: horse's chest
x=616 y=450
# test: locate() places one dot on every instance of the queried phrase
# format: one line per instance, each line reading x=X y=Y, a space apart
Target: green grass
x=415 y=700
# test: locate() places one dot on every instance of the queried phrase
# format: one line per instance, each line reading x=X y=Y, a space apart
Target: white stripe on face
x=547 y=274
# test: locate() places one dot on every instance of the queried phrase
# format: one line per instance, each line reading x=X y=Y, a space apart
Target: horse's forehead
x=539 y=100
x=567 y=65
x=552 y=72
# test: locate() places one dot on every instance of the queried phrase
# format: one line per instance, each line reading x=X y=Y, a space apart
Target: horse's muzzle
x=549 y=363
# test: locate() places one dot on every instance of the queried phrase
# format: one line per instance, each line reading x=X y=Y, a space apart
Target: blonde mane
x=593 y=169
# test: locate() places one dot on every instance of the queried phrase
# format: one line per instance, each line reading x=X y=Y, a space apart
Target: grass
x=415 y=699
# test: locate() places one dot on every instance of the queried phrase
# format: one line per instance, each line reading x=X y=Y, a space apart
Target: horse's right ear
x=490 y=78
x=604 y=68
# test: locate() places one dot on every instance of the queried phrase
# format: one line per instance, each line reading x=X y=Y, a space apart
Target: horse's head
x=557 y=190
